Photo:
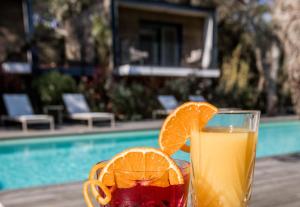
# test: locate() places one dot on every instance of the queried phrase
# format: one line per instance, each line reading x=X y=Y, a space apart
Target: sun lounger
x=168 y=102
x=19 y=110
x=79 y=110
x=197 y=98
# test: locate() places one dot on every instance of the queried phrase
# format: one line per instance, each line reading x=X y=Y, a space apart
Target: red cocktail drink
x=142 y=194
x=138 y=177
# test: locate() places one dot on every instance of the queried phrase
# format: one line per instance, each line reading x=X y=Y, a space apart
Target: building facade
x=163 y=38
x=160 y=38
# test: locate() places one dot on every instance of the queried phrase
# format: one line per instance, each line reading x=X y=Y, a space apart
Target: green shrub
x=52 y=85
x=95 y=91
x=181 y=88
x=132 y=101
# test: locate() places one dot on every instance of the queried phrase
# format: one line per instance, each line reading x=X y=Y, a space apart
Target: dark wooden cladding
x=12 y=31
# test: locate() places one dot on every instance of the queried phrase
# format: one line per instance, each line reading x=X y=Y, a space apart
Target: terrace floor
x=276 y=184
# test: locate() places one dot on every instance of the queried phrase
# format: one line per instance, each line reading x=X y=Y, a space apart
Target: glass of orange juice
x=223 y=158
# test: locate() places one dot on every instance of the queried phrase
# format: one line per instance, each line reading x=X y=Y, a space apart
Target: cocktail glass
x=147 y=193
x=223 y=158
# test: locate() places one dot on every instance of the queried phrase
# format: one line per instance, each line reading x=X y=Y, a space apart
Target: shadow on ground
x=289 y=158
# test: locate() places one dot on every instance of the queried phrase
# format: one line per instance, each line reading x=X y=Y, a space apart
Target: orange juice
x=223 y=161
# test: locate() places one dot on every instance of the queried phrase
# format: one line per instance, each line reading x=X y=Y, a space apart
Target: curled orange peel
x=100 y=199
x=93 y=174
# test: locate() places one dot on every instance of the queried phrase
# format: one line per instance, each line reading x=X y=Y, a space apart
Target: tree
x=246 y=25
x=102 y=37
x=74 y=18
x=83 y=27
x=286 y=17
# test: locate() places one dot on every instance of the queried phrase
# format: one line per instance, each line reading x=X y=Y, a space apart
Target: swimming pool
x=45 y=161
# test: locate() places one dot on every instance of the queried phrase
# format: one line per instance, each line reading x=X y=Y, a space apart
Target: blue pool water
x=45 y=161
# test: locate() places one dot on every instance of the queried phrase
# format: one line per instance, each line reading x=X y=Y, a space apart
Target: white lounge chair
x=168 y=102
x=79 y=110
x=19 y=110
x=197 y=98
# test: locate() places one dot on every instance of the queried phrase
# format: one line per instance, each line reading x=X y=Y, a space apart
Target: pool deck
x=17 y=133
x=14 y=131
x=276 y=184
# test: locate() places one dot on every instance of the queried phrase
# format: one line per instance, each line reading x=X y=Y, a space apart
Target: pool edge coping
x=155 y=125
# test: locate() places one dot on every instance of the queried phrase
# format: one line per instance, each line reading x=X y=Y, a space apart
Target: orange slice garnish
x=179 y=125
x=146 y=166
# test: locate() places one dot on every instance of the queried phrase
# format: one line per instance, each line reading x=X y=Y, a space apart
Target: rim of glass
x=237 y=111
x=184 y=166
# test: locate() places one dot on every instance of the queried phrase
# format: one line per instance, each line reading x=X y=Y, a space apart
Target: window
x=162 y=42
